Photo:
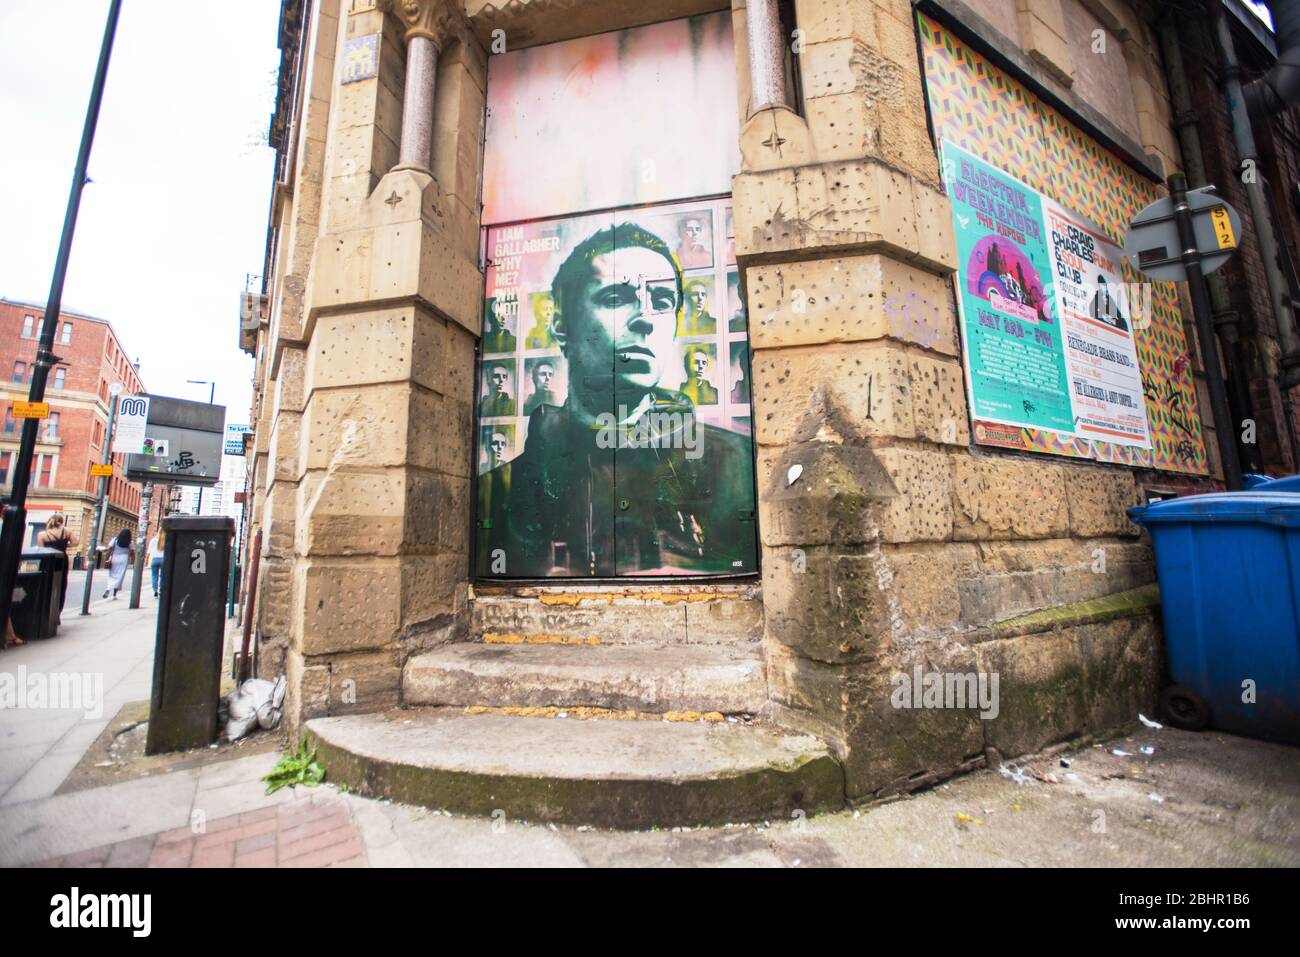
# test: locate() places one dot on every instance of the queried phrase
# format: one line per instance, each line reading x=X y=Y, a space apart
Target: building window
x=29 y=326
x=11 y=424
x=52 y=426
x=67 y=333
x=5 y=459
x=20 y=370
x=60 y=375
x=99 y=434
x=47 y=471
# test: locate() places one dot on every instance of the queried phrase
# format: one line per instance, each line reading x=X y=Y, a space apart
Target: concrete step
x=626 y=774
x=676 y=614
x=725 y=678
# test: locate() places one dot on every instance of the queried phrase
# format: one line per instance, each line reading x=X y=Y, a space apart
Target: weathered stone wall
x=889 y=541
x=365 y=375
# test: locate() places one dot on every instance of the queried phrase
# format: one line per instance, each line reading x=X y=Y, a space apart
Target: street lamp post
x=212 y=394
x=15 y=514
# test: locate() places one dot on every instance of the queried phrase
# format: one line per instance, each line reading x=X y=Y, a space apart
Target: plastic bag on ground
x=256 y=703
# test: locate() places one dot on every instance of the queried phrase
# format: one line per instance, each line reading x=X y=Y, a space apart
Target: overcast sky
x=176 y=215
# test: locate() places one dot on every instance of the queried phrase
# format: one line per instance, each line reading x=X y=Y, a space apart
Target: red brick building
x=71 y=440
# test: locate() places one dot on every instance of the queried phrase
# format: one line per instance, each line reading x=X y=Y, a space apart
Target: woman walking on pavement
x=119 y=556
x=155 y=557
x=58 y=537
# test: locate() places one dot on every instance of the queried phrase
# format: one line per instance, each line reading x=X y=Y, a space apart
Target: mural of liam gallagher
x=623 y=477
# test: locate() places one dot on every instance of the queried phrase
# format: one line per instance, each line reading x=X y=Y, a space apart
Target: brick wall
x=1278 y=140
x=92 y=359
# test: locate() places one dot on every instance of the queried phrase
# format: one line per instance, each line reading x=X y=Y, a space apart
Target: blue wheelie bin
x=1229 y=571
x=1287 y=483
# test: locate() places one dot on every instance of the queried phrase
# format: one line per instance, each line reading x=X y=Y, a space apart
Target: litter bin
x=191 y=631
x=40 y=578
x=1229 y=571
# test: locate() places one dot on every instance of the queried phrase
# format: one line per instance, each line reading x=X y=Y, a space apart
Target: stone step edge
x=814 y=784
x=607 y=594
x=589 y=713
x=528 y=638
x=428 y=680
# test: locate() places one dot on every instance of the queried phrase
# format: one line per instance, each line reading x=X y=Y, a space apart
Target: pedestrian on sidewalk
x=60 y=538
x=119 y=557
x=155 y=556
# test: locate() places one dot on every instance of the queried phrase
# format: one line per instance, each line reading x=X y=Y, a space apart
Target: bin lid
x=33 y=552
x=1287 y=483
x=1257 y=506
x=198 y=523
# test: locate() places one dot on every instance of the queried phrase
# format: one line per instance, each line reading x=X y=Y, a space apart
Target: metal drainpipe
x=1277 y=90
x=1244 y=138
x=1226 y=319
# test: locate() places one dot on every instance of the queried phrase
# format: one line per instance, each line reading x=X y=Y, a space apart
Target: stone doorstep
x=622 y=616
x=562 y=590
x=623 y=774
x=723 y=678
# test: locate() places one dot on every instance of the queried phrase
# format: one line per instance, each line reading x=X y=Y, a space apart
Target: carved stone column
x=429 y=24
x=766 y=56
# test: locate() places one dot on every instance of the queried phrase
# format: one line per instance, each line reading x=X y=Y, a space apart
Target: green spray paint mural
x=614 y=419
x=614 y=406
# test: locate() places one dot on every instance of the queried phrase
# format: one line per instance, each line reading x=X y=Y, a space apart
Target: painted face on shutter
x=628 y=308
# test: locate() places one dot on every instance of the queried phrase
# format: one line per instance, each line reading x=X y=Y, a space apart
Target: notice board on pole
x=182 y=443
x=1068 y=350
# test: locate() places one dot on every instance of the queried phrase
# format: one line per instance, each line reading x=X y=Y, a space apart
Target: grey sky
x=176 y=214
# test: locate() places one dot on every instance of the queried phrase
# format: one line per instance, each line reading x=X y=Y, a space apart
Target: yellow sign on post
x=101 y=470
x=1223 y=228
x=31 y=410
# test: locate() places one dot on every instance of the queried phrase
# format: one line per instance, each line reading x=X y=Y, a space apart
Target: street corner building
x=645 y=390
x=90 y=360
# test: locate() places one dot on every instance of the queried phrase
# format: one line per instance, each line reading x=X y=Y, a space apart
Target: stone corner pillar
x=430 y=26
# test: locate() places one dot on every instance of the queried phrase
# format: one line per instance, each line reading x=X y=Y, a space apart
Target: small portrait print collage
x=526 y=356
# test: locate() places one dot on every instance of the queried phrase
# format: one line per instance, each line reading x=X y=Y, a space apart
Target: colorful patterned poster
x=1015 y=363
x=983 y=111
x=614 y=412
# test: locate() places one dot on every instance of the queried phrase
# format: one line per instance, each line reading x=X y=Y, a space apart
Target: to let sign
x=31 y=410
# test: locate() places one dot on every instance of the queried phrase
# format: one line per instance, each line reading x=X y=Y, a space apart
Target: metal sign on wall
x=235 y=439
x=186 y=439
x=1152 y=242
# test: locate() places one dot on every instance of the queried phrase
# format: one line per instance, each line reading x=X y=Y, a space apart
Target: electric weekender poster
x=1046 y=332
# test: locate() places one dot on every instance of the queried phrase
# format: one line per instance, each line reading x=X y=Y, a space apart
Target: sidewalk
x=1196 y=800
x=1218 y=801
x=114 y=646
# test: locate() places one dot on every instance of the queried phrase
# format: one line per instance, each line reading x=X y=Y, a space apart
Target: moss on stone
x=1124 y=604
